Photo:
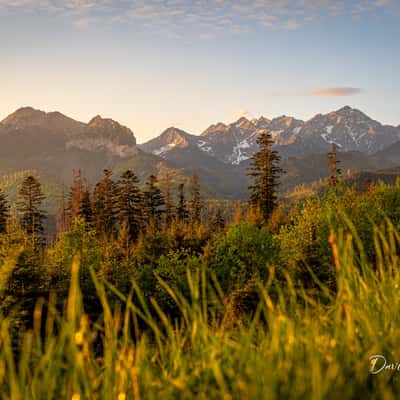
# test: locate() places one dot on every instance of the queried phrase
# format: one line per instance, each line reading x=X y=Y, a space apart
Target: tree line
x=122 y=205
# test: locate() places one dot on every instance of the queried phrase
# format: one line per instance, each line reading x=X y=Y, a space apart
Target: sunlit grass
x=297 y=345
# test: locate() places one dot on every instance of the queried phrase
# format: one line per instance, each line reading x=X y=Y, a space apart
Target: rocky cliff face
x=104 y=135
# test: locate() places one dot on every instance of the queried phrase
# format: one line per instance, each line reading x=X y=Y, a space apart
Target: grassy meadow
x=292 y=310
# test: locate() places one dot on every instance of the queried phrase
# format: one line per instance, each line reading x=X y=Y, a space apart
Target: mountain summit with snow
x=348 y=128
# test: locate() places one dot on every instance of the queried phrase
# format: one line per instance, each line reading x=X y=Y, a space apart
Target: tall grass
x=297 y=345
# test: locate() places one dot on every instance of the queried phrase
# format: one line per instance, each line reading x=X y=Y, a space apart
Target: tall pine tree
x=333 y=166
x=63 y=215
x=30 y=200
x=153 y=201
x=167 y=193
x=86 y=209
x=130 y=205
x=4 y=212
x=265 y=173
x=181 y=208
x=76 y=195
x=195 y=203
x=104 y=205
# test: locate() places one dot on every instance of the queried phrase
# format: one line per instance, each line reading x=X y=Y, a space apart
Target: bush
x=241 y=254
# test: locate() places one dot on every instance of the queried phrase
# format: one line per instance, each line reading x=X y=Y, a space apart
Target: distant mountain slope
x=386 y=175
x=314 y=167
x=349 y=129
x=54 y=144
x=391 y=153
x=170 y=139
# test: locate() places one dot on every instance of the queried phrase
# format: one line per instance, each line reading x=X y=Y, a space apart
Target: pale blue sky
x=159 y=63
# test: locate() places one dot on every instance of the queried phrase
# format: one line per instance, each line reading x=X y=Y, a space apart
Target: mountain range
x=349 y=129
x=55 y=144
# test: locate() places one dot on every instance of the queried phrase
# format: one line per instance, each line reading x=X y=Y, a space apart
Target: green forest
x=150 y=291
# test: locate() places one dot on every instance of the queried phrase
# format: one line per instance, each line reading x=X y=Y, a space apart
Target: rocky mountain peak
x=346 y=110
x=176 y=136
x=216 y=128
x=110 y=129
x=261 y=122
x=172 y=138
x=28 y=120
x=23 y=114
x=243 y=123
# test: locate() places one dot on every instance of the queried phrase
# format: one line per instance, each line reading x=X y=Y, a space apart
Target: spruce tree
x=167 y=192
x=153 y=201
x=130 y=205
x=265 y=173
x=29 y=205
x=4 y=212
x=76 y=195
x=86 y=211
x=333 y=166
x=104 y=205
x=195 y=203
x=63 y=215
x=181 y=208
x=218 y=221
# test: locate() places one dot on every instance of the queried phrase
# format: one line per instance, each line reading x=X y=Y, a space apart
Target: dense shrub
x=242 y=253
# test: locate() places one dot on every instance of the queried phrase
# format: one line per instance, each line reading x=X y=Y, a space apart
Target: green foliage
x=241 y=254
x=171 y=269
x=153 y=201
x=130 y=205
x=192 y=311
x=4 y=212
x=104 y=205
x=295 y=346
x=29 y=206
x=265 y=172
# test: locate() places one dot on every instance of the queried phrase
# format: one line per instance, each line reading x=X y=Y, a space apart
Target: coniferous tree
x=4 y=212
x=195 y=204
x=333 y=166
x=76 y=195
x=86 y=210
x=130 y=205
x=29 y=206
x=167 y=192
x=218 y=221
x=63 y=215
x=104 y=205
x=265 y=173
x=181 y=208
x=153 y=201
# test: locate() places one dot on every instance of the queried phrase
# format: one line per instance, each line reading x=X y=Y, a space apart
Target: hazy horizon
x=154 y=64
x=227 y=122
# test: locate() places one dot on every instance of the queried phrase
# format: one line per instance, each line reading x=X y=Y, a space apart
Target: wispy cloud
x=239 y=114
x=335 y=91
x=204 y=15
x=317 y=92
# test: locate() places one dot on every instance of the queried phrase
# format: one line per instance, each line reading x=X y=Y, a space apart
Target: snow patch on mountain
x=164 y=149
x=205 y=146
x=238 y=155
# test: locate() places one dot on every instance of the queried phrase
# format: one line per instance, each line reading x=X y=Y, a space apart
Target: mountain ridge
x=52 y=142
x=349 y=128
